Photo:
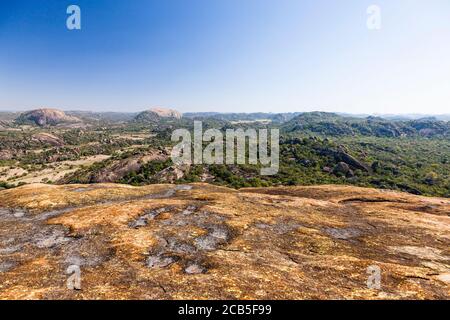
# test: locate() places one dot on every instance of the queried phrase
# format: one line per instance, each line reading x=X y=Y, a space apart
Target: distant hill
x=166 y=113
x=439 y=117
x=284 y=117
x=156 y=114
x=45 y=117
x=399 y=117
x=273 y=117
x=7 y=116
x=332 y=124
x=103 y=116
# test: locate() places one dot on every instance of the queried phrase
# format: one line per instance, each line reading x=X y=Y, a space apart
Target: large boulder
x=343 y=156
x=342 y=169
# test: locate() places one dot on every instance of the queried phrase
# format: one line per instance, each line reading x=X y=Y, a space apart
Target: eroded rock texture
x=208 y=242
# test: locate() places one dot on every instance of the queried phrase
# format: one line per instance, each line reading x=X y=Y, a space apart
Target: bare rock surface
x=166 y=113
x=47 y=138
x=201 y=241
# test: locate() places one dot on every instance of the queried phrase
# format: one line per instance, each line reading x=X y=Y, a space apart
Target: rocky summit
x=201 y=241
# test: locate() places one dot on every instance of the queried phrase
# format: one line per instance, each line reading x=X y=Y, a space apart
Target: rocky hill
x=166 y=113
x=45 y=117
x=156 y=114
x=201 y=241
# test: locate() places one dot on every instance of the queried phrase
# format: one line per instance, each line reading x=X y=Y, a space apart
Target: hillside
x=206 y=242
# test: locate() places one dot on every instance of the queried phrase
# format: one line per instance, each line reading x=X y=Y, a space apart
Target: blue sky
x=226 y=55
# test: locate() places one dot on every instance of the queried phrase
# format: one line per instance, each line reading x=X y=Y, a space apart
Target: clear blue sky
x=226 y=55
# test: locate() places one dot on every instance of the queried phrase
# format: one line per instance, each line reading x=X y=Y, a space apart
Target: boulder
x=341 y=168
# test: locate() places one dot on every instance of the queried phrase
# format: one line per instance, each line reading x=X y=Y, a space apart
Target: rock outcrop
x=47 y=138
x=113 y=171
x=342 y=169
x=166 y=113
x=172 y=174
x=45 y=117
x=6 y=154
x=206 y=242
x=4 y=124
x=342 y=155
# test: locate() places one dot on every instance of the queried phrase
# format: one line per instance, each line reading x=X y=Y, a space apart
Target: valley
x=315 y=148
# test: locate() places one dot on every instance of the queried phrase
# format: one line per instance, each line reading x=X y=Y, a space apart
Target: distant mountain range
x=318 y=123
x=401 y=117
x=274 y=117
x=331 y=124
